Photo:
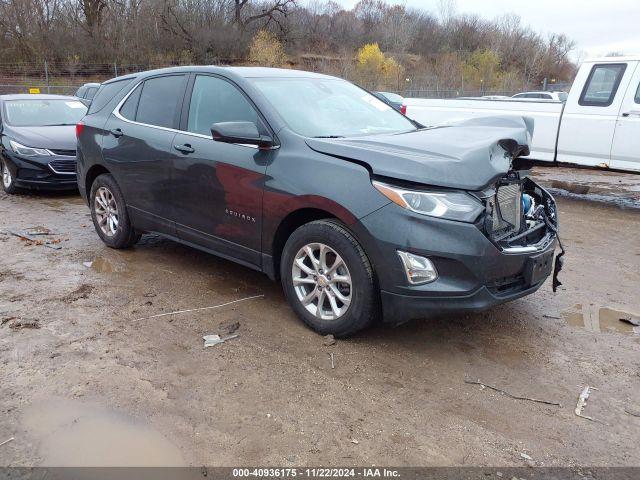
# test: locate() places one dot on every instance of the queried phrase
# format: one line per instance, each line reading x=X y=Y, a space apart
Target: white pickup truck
x=598 y=126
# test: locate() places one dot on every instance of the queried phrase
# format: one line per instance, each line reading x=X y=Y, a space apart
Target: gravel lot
x=86 y=377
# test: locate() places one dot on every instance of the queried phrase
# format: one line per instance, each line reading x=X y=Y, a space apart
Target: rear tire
x=8 y=182
x=109 y=213
x=328 y=279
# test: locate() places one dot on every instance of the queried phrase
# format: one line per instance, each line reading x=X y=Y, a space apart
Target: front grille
x=506 y=209
x=64 y=153
x=63 y=166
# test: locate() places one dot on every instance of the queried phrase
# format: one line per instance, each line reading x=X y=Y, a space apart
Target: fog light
x=418 y=269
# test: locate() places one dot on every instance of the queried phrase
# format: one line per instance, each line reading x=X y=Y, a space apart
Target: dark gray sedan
x=38 y=142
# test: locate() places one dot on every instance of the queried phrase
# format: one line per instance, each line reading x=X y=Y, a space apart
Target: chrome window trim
x=116 y=113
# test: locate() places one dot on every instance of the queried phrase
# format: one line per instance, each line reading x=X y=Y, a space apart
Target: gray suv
x=360 y=212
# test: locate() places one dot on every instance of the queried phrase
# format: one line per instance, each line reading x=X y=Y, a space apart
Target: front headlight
x=27 y=151
x=442 y=204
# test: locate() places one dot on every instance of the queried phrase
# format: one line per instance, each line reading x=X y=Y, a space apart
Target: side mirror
x=85 y=101
x=240 y=132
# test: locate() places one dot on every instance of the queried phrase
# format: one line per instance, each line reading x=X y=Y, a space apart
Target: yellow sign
x=34 y=90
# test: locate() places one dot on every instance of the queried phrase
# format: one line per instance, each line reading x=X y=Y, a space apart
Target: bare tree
x=268 y=12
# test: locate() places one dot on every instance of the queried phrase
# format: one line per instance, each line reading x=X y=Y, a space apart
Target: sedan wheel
x=106 y=211
x=322 y=281
x=8 y=185
x=7 y=180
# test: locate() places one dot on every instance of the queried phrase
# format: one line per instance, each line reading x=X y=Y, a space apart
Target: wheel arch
x=287 y=226
x=90 y=177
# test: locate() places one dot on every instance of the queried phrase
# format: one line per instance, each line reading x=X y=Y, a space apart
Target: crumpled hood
x=469 y=155
x=60 y=137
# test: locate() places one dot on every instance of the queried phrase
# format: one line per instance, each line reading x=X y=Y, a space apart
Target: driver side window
x=214 y=100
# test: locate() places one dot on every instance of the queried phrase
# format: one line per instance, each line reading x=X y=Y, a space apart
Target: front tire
x=8 y=182
x=109 y=213
x=328 y=279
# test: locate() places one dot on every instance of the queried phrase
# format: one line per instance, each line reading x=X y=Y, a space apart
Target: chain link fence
x=62 y=78
x=65 y=78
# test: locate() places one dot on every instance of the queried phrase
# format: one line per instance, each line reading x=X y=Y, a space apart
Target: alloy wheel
x=7 y=180
x=322 y=281
x=106 y=210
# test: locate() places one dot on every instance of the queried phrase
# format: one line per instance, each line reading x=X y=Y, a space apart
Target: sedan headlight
x=451 y=205
x=27 y=151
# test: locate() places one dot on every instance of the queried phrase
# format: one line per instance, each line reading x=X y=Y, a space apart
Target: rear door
x=218 y=186
x=625 y=151
x=139 y=149
x=589 y=119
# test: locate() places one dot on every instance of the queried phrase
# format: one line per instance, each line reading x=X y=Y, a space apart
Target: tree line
x=375 y=43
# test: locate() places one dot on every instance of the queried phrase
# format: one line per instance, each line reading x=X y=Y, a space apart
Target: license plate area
x=538 y=267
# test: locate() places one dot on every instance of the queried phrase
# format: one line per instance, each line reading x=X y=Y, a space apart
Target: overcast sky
x=598 y=27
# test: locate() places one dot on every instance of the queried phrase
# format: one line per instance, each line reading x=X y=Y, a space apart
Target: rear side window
x=160 y=99
x=91 y=92
x=637 y=99
x=602 y=84
x=105 y=94
x=215 y=100
x=130 y=106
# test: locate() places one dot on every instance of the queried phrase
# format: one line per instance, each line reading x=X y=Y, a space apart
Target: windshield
x=42 y=113
x=318 y=107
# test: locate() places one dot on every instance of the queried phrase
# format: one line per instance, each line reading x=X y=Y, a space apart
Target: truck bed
x=546 y=115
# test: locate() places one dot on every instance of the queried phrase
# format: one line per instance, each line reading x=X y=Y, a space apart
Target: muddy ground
x=86 y=377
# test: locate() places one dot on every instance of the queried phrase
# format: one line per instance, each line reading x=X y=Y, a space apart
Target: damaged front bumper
x=477 y=267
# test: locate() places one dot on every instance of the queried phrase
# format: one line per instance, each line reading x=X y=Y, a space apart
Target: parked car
x=38 y=141
x=87 y=91
x=598 y=125
x=557 y=96
x=392 y=99
x=358 y=210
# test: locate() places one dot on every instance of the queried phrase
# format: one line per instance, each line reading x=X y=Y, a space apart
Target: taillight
x=79 y=129
x=403 y=109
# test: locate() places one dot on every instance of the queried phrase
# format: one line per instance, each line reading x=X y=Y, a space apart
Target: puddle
x=619 y=200
x=600 y=319
x=71 y=433
x=104 y=265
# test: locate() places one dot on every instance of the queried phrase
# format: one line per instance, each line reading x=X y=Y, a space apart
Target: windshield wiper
x=329 y=136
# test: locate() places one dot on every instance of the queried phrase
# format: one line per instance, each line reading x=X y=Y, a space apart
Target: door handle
x=186 y=148
x=632 y=113
x=116 y=132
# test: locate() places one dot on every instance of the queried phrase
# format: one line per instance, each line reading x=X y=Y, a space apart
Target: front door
x=138 y=149
x=218 y=186
x=625 y=151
